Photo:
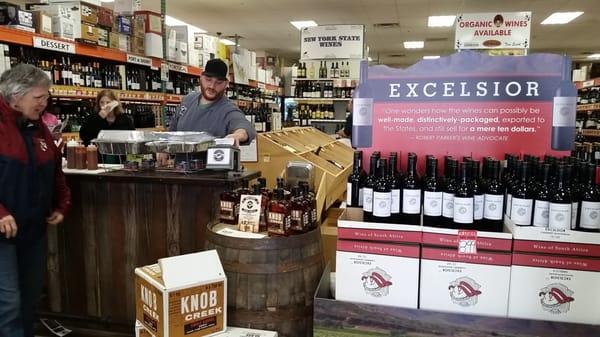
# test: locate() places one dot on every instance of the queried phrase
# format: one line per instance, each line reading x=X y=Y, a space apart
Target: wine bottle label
x=360 y=197
x=362 y=111
x=64 y=74
x=560 y=216
x=508 y=204
x=432 y=203
x=563 y=111
x=349 y=194
x=574 y=209
x=463 y=210
x=448 y=205
x=521 y=211
x=382 y=204
x=395 y=201
x=492 y=206
x=411 y=201
x=368 y=199
x=478 y=207
x=541 y=213
x=590 y=215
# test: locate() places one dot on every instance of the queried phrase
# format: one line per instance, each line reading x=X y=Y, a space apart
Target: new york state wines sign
x=333 y=42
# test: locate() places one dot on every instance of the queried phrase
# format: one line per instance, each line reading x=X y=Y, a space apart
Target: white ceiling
x=264 y=25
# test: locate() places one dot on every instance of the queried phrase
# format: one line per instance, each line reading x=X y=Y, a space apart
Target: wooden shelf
x=73 y=92
x=588 y=107
x=20 y=37
x=590 y=133
x=587 y=84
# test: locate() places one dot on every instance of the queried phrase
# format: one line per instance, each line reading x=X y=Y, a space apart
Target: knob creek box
x=183 y=295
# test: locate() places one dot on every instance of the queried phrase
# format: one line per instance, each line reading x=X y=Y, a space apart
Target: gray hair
x=21 y=78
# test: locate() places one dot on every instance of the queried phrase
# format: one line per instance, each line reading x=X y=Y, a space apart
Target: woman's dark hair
x=110 y=94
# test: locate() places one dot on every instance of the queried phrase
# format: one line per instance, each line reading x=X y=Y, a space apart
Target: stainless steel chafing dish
x=118 y=142
x=180 y=142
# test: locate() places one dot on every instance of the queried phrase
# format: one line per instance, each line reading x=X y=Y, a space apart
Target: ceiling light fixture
x=560 y=18
x=227 y=42
x=441 y=21
x=431 y=57
x=594 y=56
x=171 y=21
x=303 y=24
x=107 y=0
x=370 y=59
x=414 y=44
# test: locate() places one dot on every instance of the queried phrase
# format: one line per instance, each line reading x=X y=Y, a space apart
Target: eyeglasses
x=42 y=98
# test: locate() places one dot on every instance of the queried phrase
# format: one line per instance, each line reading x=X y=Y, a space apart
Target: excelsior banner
x=333 y=42
x=493 y=30
x=472 y=104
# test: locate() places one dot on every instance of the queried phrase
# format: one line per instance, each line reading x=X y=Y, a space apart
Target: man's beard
x=217 y=96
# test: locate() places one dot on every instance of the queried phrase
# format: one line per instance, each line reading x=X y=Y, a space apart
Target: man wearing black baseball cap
x=210 y=110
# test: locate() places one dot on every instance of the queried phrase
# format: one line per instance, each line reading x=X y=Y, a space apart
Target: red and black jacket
x=32 y=183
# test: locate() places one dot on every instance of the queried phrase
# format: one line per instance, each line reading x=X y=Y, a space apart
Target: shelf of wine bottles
x=322 y=89
x=326 y=70
x=556 y=193
x=314 y=111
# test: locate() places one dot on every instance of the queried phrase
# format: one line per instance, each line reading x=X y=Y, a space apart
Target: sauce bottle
x=92 y=157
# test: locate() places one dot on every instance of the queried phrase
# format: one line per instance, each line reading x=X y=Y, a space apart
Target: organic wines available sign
x=332 y=42
x=473 y=104
x=493 y=30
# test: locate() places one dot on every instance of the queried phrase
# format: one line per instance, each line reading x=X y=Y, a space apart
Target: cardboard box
x=152 y=21
x=127 y=6
x=443 y=237
x=136 y=45
x=242 y=332
x=377 y=273
x=182 y=52
x=172 y=49
x=123 y=25
x=464 y=283
x=140 y=331
x=124 y=42
x=89 y=13
x=102 y=37
x=183 y=295
x=351 y=227
x=64 y=27
x=42 y=22
x=555 y=288
x=11 y=15
x=138 y=26
x=113 y=40
x=66 y=18
x=153 y=45
x=89 y=34
x=105 y=18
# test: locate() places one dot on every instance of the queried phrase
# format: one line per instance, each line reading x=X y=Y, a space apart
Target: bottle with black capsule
x=541 y=197
x=560 y=201
x=355 y=183
x=382 y=194
x=396 y=188
x=493 y=201
x=589 y=219
x=448 y=193
x=522 y=196
x=432 y=194
x=478 y=194
x=368 y=189
x=411 y=193
x=463 y=199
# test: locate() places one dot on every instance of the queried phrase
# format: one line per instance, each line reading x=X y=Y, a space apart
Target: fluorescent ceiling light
x=370 y=59
x=594 y=56
x=441 y=21
x=560 y=18
x=227 y=42
x=414 y=44
x=171 y=21
x=107 y=0
x=303 y=24
x=431 y=57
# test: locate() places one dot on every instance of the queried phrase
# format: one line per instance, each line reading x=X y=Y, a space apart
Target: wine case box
x=113 y=40
x=42 y=22
x=123 y=25
x=124 y=42
x=89 y=34
x=377 y=273
x=352 y=227
x=177 y=298
x=152 y=22
x=450 y=238
x=465 y=283
x=138 y=26
x=127 y=6
x=136 y=45
x=182 y=52
x=140 y=331
x=102 y=37
x=106 y=18
x=542 y=240
x=89 y=13
x=13 y=15
x=555 y=288
x=153 y=45
x=63 y=27
x=66 y=18
x=242 y=332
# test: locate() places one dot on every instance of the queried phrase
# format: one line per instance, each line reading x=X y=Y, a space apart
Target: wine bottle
x=362 y=110
x=396 y=187
x=355 y=182
x=522 y=200
x=448 y=192
x=368 y=189
x=411 y=193
x=493 y=201
x=432 y=195
x=560 y=201
x=541 y=203
x=382 y=194
x=478 y=194
x=507 y=179
x=564 y=110
x=576 y=191
x=590 y=203
x=463 y=200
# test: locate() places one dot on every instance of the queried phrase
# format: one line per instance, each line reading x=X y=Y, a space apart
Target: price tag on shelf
x=54 y=45
x=143 y=61
x=467 y=242
x=164 y=72
x=178 y=67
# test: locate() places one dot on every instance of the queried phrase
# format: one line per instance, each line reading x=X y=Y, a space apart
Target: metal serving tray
x=181 y=142
x=118 y=142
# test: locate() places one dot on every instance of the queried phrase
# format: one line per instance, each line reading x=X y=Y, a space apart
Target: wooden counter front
x=122 y=220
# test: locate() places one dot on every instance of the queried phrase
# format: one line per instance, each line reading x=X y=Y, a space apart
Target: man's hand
x=8 y=226
x=236 y=141
x=240 y=136
x=162 y=159
x=55 y=218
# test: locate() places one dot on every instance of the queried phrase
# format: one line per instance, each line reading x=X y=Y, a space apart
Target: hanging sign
x=493 y=30
x=54 y=45
x=470 y=104
x=143 y=61
x=332 y=42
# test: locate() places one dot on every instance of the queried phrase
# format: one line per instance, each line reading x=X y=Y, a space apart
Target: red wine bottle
x=432 y=195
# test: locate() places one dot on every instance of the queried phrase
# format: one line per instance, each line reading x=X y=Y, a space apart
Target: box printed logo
x=556 y=298
x=464 y=291
x=376 y=282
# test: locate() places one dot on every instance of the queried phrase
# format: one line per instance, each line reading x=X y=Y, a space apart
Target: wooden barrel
x=271 y=282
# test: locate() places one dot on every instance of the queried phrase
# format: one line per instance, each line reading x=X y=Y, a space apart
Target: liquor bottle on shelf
x=298 y=209
x=508 y=177
x=493 y=202
x=332 y=71
x=411 y=193
x=589 y=221
x=229 y=207
x=560 y=201
x=432 y=194
x=478 y=194
x=362 y=117
x=463 y=200
x=311 y=199
x=264 y=203
x=355 y=184
x=450 y=184
x=368 y=189
x=564 y=110
x=322 y=69
x=576 y=191
x=311 y=71
x=382 y=194
x=278 y=215
x=395 y=183
x=541 y=196
x=522 y=196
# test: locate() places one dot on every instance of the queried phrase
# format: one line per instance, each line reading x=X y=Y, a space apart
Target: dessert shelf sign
x=493 y=30
x=333 y=42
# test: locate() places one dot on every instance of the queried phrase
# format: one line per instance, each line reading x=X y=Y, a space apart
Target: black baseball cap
x=216 y=68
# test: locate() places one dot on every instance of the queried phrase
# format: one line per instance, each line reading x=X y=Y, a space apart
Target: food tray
x=115 y=148
x=184 y=136
x=174 y=147
x=119 y=142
